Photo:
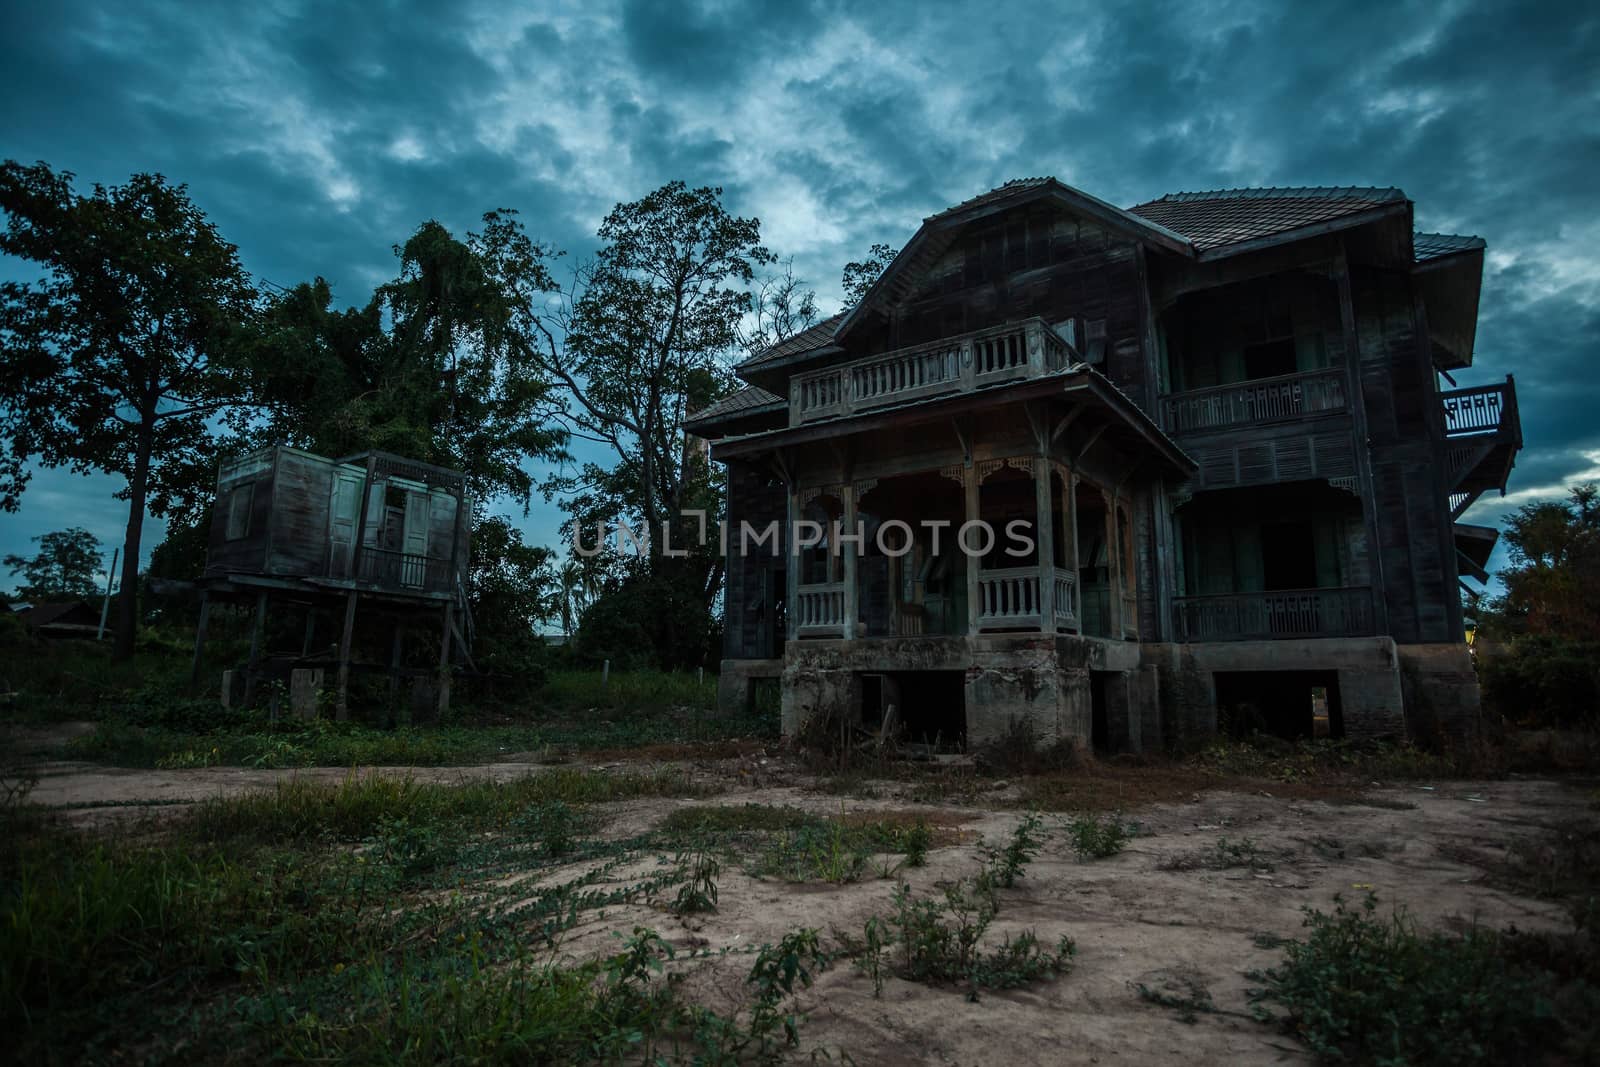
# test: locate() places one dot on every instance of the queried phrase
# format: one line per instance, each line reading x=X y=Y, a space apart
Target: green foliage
x=1544 y=680
x=1006 y=865
x=917 y=840
x=117 y=357
x=66 y=567
x=1360 y=988
x=699 y=892
x=1097 y=837
x=512 y=589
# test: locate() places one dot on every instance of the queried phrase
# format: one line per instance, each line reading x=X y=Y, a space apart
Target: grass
x=1099 y=837
x=378 y=919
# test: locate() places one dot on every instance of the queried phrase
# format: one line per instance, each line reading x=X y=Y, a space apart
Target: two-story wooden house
x=1218 y=418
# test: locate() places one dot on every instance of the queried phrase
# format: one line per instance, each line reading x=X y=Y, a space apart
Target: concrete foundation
x=1155 y=696
x=736 y=683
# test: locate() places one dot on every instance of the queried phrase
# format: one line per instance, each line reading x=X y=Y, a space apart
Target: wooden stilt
x=343 y=712
x=200 y=640
x=395 y=653
x=253 y=664
x=311 y=631
x=444 y=661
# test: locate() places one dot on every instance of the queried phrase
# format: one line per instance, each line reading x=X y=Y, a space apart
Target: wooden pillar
x=311 y=631
x=1043 y=506
x=396 y=650
x=791 y=573
x=1113 y=567
x=254 y=662
x=1070 y=492
x=852 y=596
x=343 y=707
x=972 y=510
x=200 y=639
x=444 y=660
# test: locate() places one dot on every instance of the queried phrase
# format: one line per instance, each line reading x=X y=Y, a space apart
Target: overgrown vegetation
x=332 y=923
x=940 y=939
x=1366 y=988
x=1099 y=837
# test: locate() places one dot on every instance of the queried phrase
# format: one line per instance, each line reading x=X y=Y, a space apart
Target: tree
x=781 y=308
x=115 y=359
x=1545 y=629
x=452 y=378
x=645 y=334
x=66 y=567
x=513 y=590
x=859 y=275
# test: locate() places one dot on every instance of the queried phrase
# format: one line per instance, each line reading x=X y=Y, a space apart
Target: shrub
x=1095 y=837
x=1373 y=990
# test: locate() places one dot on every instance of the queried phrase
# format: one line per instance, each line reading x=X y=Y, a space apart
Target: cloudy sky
x=317 y=135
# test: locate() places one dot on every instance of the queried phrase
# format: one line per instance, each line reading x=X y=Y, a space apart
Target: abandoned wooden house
x=1221 y=416
x=370 y=537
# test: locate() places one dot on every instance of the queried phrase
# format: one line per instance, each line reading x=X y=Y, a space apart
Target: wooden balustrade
x=1481 y=409
x=1288 y=613
x=1286 y=396
x=953 y=364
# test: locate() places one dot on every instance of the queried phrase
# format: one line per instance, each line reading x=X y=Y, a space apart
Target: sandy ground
x=1133 y=921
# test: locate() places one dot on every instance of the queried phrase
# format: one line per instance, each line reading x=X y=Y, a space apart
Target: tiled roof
x=804 y=341
x=1428 y=246
x=1229 y=216
x=744 y=401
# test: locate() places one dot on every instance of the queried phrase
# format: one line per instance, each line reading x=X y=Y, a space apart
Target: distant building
x=371 y=536
x=68 y=618
x=1220 y=415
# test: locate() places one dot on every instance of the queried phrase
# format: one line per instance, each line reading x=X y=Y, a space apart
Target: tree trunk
x=138 y=489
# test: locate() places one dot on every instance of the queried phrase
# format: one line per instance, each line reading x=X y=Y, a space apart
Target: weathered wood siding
x=1400 y=393
x=301 y=497
x=749 y=628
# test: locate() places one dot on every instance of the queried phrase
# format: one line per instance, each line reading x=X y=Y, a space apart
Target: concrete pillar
x=969 y=483
x=305 y=692
x=852 y=593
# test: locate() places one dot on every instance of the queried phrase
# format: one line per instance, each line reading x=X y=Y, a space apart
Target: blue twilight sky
x=317 y=135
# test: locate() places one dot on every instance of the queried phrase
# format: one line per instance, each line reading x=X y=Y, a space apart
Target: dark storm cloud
x=318 y=135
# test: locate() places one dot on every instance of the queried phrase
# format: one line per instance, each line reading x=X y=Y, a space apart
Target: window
x=240 y=497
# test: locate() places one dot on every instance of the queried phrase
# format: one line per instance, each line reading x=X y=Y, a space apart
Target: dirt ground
x=1428 y=848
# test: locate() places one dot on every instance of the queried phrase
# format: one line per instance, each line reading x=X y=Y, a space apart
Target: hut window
x=239 y=500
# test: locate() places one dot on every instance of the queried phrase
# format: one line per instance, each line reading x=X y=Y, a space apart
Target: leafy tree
x=117 y=356
x=1547 y=624
x=66 y=567
x=644 y=336
x=513 y=590
x=859 y=275
x=438 y=366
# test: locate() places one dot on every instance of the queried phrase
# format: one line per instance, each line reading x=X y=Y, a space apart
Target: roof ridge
x=1374 y=193
x=1010 y=183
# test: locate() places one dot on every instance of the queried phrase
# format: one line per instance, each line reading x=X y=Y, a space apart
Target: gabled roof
x=1226 y=217
x=1430 y=246
x=746 y=401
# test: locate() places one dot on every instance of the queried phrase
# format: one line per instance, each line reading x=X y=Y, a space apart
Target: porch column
x=1045 y=537
x=1069 y=527
x=791 y=571
x=1113 y=567
x=851 y=552
x=969 y=482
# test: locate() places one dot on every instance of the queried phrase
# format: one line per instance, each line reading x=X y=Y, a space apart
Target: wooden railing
x=953 y=364
x=819 y=610
x=404 y=570
x=1344 y=612
x=1287 y=396
x=1481 y=409
x=1009 y=599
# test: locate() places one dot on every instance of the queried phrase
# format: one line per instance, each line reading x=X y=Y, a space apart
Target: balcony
x=1280 y=614
x=1263 y=400
x=819 y=610
x=403 y=570
x=1025 y=349
x=1482 y=435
